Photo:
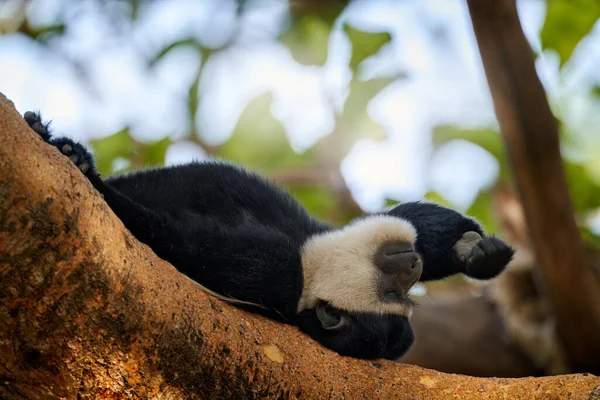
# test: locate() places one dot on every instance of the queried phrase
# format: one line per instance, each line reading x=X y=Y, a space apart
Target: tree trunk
x=530 y=132
x=86 y=311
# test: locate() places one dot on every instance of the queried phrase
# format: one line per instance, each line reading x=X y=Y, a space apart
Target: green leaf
x=482 y=210
x=307 y=35
x=567 y=22
x=193 y=101
x=107 y=149
x=44 y=34
x=488 y=139
x=390 y=203
x=361 y=93
x=592 y=166
x=437 y=198
x=364 y=44
x=179 y=43
x=154 y=153
x=122 y=145
x=432 y=196
x=584 y=190
x=355 y=124
x=259 y=141
x=590 y=238
x=308 y=40
x=320 y=202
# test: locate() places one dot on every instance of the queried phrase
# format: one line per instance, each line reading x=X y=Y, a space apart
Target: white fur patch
x=338 y=266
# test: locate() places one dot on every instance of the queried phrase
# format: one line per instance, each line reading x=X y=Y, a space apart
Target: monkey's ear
x=330 y=317
x=483 y=258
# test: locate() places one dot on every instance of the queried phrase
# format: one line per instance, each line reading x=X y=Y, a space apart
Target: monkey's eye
x=330 y=317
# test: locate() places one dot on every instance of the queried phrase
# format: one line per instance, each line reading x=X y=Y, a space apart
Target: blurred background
x=351 y=105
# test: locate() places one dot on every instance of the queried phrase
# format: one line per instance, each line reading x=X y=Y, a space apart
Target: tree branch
x=87 y=310
x=531 y=135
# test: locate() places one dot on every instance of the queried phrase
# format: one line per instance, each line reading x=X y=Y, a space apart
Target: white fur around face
x=338 y=265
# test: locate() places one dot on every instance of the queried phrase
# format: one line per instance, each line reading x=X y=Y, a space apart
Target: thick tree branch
x=88 y=311
x=531 y=135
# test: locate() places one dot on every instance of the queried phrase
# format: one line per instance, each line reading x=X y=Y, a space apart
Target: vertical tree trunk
x=530 y=132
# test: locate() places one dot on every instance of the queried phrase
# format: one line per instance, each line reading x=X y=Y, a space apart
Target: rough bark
x=530 y=132
x=86 y=311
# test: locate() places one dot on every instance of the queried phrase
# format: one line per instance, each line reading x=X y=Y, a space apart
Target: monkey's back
x=222 y=191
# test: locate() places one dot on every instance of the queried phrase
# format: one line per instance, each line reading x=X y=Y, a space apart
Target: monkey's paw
x=34 y=120
x=78 y=154
x=483 y=258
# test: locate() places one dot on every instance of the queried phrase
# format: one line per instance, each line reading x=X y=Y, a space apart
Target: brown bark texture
x=530 y=132
x=86 y=311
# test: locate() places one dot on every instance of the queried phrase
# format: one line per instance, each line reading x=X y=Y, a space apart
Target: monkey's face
x=361 y=335
x=356 y=283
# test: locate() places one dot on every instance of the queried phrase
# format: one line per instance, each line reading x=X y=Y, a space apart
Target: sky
x=446 y=84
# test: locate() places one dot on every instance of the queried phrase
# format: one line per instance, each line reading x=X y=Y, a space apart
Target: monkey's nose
x=401 y=267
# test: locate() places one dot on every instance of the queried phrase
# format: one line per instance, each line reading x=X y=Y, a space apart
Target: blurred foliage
x=322 y=202
x=265 y=136
x=364 y=44
x=354 y=122
x=361 y=92
x=122 y=146
x=585 y=191
x=486 y=138
x=307 y=36
x=584 y=187
x=307 y=40
x=193 y=99
x=437 y=198
x=190 y=42
x=590 y=238
x=567 y=22
x=432 y=196
x=481 y=209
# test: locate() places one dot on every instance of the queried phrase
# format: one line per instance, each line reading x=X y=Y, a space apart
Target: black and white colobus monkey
x=248 y=241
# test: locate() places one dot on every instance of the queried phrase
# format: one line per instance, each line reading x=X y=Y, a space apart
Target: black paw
x=78 y=154
x=489 y=256
x=34 y=120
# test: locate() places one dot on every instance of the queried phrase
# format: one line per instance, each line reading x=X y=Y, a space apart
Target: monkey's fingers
x=489 y=257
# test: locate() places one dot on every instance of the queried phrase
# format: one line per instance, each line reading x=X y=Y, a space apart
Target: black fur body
x=241 y=236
